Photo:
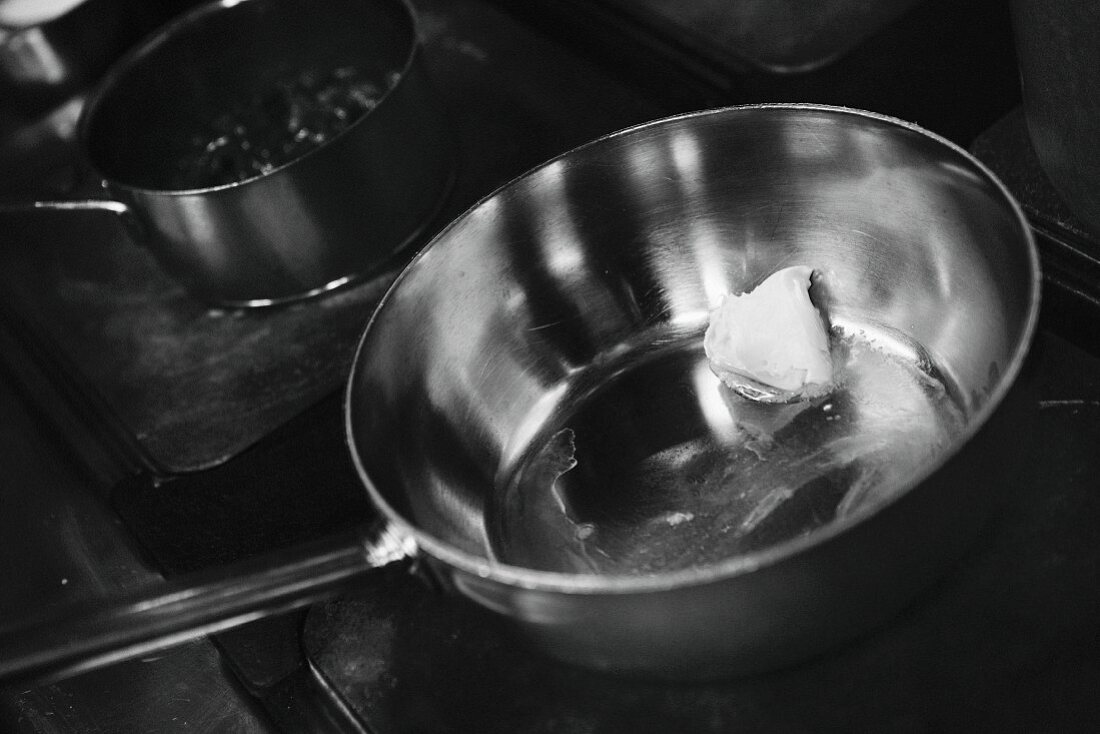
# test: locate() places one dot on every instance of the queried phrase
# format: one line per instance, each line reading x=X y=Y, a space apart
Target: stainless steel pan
x=532 y=415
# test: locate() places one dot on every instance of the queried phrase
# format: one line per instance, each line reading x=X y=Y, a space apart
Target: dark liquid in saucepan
x=291 y=118
x=666 y=469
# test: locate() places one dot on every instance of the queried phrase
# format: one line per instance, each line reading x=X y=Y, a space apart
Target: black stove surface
x=1008 y=641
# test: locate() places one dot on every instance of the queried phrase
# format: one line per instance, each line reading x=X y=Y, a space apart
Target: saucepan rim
x=604 y=584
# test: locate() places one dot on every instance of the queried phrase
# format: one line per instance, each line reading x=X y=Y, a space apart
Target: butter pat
x=771 y=343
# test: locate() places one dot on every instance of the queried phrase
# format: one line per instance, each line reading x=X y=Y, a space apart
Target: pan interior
x=663 y=468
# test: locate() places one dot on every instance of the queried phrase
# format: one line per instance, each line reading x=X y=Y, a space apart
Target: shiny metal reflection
x=592 y=276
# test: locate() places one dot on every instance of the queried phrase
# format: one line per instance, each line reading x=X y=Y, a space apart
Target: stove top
x=224 y=437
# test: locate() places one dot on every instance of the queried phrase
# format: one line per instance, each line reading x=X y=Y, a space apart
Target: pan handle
x=86 y=636
x=75 y=205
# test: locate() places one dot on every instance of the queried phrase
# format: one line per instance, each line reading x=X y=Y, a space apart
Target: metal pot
x=573 y=299
x=303 y=222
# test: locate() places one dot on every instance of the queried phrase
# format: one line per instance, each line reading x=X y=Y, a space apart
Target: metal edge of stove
x=1071 y=276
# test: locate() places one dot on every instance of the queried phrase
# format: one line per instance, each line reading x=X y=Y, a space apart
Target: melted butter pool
x=664 y=468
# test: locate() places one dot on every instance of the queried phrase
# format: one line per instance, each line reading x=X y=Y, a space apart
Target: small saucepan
x=267 y=150
x=532 y=412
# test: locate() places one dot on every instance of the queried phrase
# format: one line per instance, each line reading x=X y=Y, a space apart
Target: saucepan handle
x=86 y=636
x=73 y=205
